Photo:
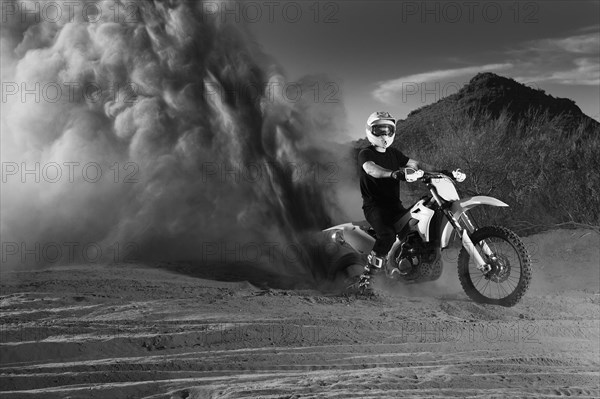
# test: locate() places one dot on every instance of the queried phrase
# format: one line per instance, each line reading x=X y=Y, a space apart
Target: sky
x=401 y=55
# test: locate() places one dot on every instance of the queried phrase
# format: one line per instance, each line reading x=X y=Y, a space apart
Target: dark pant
x=384 y=221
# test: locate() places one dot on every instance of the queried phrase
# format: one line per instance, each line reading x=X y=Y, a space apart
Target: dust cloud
x=161 y=134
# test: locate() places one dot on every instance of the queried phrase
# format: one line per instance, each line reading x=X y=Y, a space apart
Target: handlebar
x=457 y=175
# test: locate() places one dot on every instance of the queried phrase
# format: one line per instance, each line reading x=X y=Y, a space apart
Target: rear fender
x=461 y=206
x=355 y=237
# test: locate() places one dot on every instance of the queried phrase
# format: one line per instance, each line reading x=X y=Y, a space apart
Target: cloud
x=590 y=28
x=569 y=60
x=572 y=60
x=386 y=91
x=581 y=44
x=586 y=72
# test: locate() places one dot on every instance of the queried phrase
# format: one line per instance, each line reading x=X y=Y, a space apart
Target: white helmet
x=381 y=129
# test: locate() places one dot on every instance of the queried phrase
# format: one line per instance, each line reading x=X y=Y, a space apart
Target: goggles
x=383 y=130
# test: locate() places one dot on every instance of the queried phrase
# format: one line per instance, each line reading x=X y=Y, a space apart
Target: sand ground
x=168 y=331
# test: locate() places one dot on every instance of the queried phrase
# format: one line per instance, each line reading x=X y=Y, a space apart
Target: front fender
x=461 y=206
x=471 y=202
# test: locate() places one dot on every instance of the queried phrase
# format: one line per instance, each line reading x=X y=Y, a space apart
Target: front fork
x=482 y=265
x=464 y=233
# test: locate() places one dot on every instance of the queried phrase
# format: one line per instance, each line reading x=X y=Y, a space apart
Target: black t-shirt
x=384 y=191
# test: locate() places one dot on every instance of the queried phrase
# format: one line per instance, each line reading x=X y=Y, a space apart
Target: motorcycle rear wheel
x=346 y=270
x=511 y=272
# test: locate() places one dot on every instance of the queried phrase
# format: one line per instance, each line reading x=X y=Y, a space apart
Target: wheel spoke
x=481 y=280
x=503 y=290
x=515 y=280
x=478 y=281
x=510 y=284
x=485 y=286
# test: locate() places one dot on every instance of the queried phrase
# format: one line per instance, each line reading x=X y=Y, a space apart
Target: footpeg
x=394 y=273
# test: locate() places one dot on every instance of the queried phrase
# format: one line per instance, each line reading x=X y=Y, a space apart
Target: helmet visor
x=383 y=130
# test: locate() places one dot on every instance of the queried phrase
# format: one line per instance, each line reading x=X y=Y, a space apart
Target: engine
x=425 y=259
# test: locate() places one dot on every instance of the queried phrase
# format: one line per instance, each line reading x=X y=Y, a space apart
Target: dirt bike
x=493 y=264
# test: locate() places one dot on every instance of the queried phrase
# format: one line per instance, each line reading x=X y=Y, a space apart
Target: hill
x=534 y=151
x=490 y=95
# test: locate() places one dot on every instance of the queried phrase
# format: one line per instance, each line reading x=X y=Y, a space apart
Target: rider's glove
x=459 y=175
x=412 y=177
x=397 y=175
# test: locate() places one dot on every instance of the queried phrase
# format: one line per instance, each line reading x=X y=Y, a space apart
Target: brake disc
x=500 y=271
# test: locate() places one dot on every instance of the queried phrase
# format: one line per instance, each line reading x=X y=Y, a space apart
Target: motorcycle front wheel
x=510 y=276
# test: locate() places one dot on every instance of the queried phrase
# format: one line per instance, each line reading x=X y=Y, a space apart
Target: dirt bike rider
x=380 y=174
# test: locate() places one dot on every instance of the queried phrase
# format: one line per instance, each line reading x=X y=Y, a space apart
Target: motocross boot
x=364 y=283
x=374 y=265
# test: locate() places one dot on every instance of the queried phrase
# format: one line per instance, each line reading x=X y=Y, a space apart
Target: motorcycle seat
x=363 y=225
